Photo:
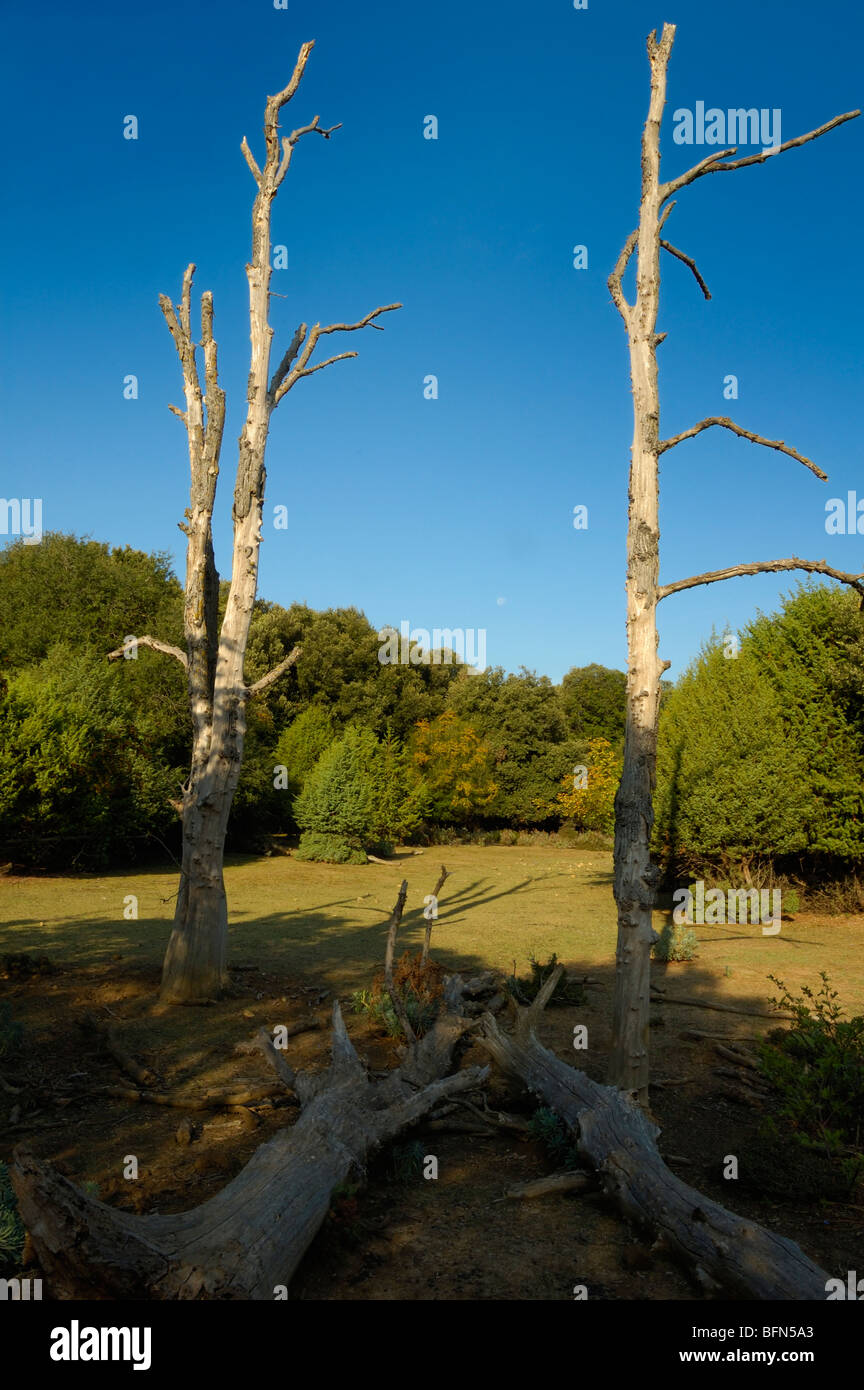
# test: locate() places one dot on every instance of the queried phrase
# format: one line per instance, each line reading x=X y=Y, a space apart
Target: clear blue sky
x=436 y=510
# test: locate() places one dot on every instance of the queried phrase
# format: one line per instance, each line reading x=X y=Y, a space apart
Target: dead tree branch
x=248 y=1239
x=154 y=643
x=427 y=936
x=725 y=423
x=287 y=374
x=711 y=164
x=393 y=927
x=855 y=581
x=688 y=261
x=618 y=1139
x=271 y=676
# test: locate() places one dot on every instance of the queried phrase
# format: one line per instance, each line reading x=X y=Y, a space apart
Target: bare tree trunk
x=635 y=875
x=195 y=961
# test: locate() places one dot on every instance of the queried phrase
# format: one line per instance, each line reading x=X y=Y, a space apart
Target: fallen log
x=723 y=1251
x=247 y=1241
x=143 y=1075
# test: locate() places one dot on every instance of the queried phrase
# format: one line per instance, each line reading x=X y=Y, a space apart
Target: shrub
x=420 y=988
x=319 y=848
x=816 y=1067
x=550 y=1130
x=676 y=943
x=301 y=745
x=356 y=794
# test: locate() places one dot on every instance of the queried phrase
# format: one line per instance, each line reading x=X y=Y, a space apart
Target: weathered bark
x=635 y=875
x=723 y=1251
x=195 y=961
x=249 y=1239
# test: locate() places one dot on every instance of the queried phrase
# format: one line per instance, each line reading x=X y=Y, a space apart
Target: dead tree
x=195 y=962
x=723 y=1252
x=247 y=1241
x=635 y=875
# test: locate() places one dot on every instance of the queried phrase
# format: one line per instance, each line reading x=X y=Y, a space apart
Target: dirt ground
x=402 y=1236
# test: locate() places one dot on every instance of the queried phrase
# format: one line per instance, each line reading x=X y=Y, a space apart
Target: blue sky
x=434 y=510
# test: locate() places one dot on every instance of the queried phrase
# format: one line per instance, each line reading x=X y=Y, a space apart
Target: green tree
x=78 y=782
x=83 y=594
x=451 y=769
x=594 y=702
x=521 y=719
x=301 y=745
x=588 y=799
x=356 y=798
x=762 y=755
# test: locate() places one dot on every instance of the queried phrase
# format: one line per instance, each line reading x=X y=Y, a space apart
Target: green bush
x=761 y=757
x=676 y=943
x=328 y=849
x=357 y=794
x=816 y=1068
x=301 y=745
x=550 y=1130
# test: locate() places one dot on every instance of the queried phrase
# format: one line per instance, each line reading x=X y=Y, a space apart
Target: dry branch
x=710 y=165
x=143 y=1075
x=554 y=1184
x=719 y=1008
x=393 y=927
x=727 y=424
x=157 y=646
x=427 y=936
x=688 y=261
x=855 y=581
x=271 y=676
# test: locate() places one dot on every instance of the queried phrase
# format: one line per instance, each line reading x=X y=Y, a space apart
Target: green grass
x=501 y=904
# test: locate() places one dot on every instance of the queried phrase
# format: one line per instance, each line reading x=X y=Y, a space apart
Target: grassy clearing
x=501 y=903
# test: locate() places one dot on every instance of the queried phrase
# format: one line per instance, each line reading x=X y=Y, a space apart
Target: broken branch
x=673 y=250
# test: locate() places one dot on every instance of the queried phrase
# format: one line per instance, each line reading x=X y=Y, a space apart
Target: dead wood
x=247 y=1241
x=723 y=1251
x=143 y=1075
x=555 y=1183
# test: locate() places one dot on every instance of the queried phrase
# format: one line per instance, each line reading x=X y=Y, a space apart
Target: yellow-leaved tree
x=452 y=768
x=587 y=795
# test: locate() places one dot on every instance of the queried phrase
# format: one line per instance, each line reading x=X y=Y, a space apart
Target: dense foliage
x=760 y=760
x=761 y=756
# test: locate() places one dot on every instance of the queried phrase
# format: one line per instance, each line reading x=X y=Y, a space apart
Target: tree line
x=760 y=755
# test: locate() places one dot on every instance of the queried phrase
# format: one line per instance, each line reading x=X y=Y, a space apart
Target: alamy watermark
x=716 y=908
x=21 y=516
x=407 y=646
x=726 y=128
